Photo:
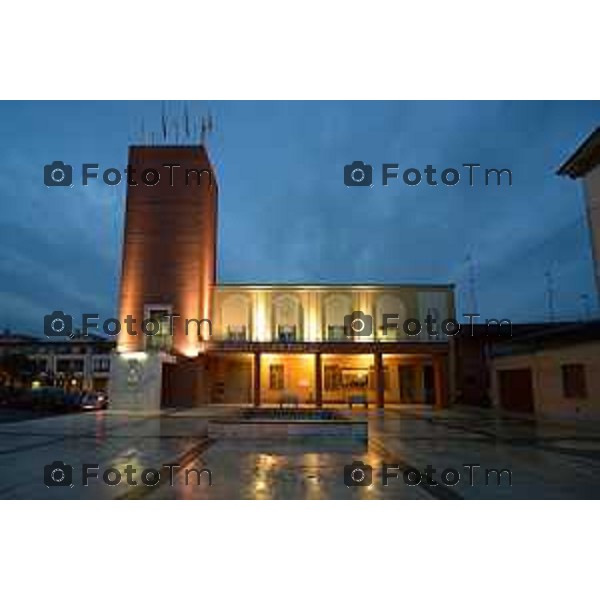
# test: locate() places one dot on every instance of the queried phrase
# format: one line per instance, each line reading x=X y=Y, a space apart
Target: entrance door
x=231 y=379
x=516 y=390
x=429 y=384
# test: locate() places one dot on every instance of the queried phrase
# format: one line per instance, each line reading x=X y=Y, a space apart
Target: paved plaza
x=545 y=460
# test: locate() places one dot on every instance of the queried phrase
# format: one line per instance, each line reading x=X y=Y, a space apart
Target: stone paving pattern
x=548 y=459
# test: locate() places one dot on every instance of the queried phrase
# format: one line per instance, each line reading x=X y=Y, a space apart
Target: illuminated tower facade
x=168 y=269
x=169 y=246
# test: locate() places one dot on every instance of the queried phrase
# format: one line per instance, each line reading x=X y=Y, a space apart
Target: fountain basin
x=288 y=424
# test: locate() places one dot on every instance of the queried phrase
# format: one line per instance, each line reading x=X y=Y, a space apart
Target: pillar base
x=136 y=381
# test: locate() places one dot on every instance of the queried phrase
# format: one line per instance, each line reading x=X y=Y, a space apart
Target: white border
x=299 y=50
x=299 y=549
x=293 y=50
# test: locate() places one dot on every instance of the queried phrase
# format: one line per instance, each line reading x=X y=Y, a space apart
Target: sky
x=285 y=215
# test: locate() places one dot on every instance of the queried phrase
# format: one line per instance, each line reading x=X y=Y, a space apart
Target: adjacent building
x=553 y=370
x=82 y=363
x=584 y=164
x=550 y=371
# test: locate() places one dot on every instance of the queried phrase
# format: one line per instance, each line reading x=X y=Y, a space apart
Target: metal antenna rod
x=472 y=279
x=164 y=122
x=587 y=310
x=186 y=117
x=203 y=131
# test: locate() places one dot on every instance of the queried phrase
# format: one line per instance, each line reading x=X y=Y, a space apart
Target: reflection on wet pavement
x=546 y=460
x=282 y=471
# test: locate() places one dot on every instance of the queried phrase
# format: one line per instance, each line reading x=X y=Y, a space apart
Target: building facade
x=257 y=344
x=551 y=371
x=82 y=363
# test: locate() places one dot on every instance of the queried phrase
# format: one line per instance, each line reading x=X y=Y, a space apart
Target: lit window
x=276 y=377
x=332 y=377
x=161 y=339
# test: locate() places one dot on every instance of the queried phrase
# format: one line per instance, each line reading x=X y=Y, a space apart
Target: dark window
x=276 y=377
x=286 y=333
x=102 y=365
x=40 y=365
x=236 y=333
x=336 y=333
x=67 y=365
x=573 y=381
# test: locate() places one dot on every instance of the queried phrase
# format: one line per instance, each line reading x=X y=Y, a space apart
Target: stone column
x=440 y=381
x=318 y=380
x=256 y=379
x=379 y=380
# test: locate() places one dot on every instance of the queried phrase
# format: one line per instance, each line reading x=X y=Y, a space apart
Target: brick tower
x=168 y=266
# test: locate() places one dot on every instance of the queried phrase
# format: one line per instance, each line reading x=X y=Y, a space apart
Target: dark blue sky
x=284 y=213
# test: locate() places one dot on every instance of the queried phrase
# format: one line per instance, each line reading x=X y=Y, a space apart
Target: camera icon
x=358 y=474
x=58 y=474
x=358 y=174
x=58 y=174
x=57 y=324
x=358 y=324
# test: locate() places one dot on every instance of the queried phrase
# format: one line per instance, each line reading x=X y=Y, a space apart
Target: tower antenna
x=186 y=117
x=472 y=279
x=203 y=131
x=163 y=122
x=585 y=302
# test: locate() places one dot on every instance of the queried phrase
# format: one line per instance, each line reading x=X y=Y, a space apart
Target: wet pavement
x=545 y=460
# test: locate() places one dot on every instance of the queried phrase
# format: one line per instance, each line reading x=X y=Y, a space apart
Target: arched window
x=287 y=318
x=335 y=309
x=389 y=304
x=236 y=317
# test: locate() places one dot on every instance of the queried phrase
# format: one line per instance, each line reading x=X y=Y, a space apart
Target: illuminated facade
x=261 y=343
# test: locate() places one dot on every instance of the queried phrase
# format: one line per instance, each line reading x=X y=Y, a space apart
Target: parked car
x=53 y=399
x=72 y=400
x=94 y=401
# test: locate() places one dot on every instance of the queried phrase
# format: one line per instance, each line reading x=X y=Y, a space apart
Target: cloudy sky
x=285 y=214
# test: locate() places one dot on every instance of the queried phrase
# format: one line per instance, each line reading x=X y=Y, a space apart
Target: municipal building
x=263 y=343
